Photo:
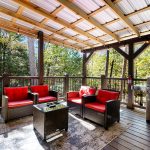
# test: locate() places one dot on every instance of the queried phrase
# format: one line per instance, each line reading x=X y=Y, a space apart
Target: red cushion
x=16 y=93
x=42 y=90
x=46 y=99
x=83 y=90
x=75 y=100
x=104 y=95
x=96 y=106
x=73 y=94
x=16 y=104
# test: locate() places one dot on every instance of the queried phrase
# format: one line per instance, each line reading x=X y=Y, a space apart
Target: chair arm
x=113 y=107
x=72 y=94
x=88 y=99
x=53 y=93
x=34 y=97
x=4 y=107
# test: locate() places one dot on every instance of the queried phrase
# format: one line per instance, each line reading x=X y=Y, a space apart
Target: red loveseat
x=44 y=95
x=17 y=102
x=74 y=98
x=103 y=109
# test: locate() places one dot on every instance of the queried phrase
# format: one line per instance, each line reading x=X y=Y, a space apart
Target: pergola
x=85 y=25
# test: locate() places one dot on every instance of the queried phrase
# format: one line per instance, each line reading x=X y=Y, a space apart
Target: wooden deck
x=136 y=137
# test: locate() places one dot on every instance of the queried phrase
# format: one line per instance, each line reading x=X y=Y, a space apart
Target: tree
x=59 y=61
x=13 y=54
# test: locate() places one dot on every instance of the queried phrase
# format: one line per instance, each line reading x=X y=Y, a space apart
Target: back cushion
x=83 y=90
x=42 y=90
x=104 y=95
x=16 y=93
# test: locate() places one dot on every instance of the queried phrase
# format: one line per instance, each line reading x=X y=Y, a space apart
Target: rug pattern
x=81 y=135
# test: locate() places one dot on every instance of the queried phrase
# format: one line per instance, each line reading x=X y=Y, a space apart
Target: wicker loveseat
x=17 y=102
x=103 y=109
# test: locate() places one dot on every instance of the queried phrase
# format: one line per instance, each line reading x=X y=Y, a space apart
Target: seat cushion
x=46 y=99
x=105 y=95
x=15 y=104
x=75 y=100
x=42 y=90
x=16 y=93
x=96 y=106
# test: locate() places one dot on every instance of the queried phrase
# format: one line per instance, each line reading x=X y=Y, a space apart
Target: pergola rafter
x=88 y=18
x=58 y=20
x=33 y=33
x=39 y=25
x=121 y=16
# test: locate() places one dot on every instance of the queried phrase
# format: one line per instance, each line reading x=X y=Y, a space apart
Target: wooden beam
x=133 y=40
x=88 y=57
x=56 y=19
x=121 y=16
x=40 y=57
x=140 y=50
x=121 y=52
x=130 y=103
x=90 y=19
x=41 y=26
x=57 y=10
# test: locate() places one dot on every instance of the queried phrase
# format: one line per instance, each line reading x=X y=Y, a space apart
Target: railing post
x=103 y=82
x=66 y=84
x=148 y=101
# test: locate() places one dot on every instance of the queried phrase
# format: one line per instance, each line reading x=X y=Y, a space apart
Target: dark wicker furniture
x=48 y=120
x=44 y=94
x=74 y=98
x=17 y=102
x=103 y=109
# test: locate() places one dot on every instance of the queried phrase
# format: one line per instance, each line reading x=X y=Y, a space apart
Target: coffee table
x=48 y=120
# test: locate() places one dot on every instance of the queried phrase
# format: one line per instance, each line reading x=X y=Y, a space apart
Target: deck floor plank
x=137 y=136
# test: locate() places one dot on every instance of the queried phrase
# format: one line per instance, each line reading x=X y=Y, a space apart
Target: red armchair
x=44 y=95
x=103 y=109
x=17 y=102
x=74 y=98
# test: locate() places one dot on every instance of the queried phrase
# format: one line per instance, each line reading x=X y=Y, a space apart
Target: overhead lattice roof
x=78 y=24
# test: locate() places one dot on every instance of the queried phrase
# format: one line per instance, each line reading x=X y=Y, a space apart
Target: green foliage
x=142 y=64
x=59 y=61
x=13 y=54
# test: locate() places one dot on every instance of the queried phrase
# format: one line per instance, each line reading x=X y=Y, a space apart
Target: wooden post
x=130 y=103
x=40 y=57
x=84 y=70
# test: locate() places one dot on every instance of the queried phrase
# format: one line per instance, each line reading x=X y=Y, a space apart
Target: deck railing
x=62 y=84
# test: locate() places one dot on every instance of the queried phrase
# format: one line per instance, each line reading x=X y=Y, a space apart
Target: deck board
x=137 y=136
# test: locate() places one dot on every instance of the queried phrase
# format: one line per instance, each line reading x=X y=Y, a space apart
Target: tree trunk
x=107 y=64
x=32 y=60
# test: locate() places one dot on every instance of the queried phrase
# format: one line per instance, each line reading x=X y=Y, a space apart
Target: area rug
x=81 y=135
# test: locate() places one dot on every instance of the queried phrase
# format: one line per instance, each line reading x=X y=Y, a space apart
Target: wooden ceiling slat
x=90 y=19
x=56 y=19
x=121 y=16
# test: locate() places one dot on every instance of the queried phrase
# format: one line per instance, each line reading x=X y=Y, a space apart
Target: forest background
x=18 y=57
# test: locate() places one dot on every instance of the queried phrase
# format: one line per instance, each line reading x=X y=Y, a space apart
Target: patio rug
x=81 y=135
